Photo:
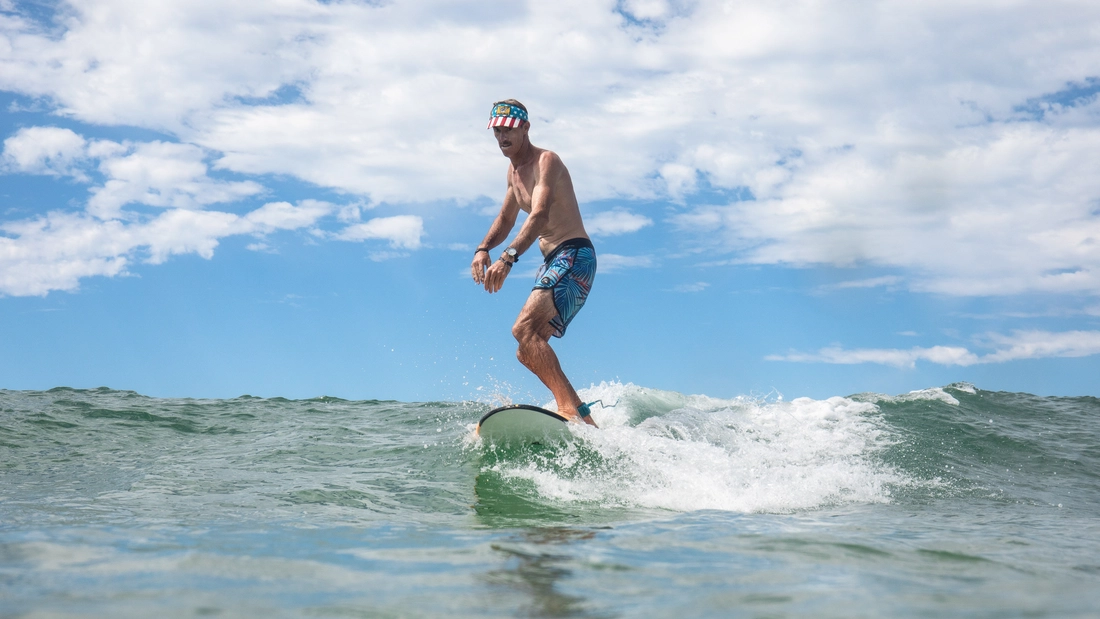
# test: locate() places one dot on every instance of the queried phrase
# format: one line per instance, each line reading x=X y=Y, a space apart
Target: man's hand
x=481 y=262
x=494 y=277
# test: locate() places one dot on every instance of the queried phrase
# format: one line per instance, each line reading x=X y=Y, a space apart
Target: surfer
x=539 y=184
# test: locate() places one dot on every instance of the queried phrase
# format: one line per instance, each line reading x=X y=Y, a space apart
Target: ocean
x=946 y=502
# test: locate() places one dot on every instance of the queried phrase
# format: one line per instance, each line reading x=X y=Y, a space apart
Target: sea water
x=951 y=501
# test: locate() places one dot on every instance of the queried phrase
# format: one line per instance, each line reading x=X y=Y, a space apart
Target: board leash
x=585 y=410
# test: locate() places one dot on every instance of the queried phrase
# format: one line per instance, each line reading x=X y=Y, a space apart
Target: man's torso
x=564 y=221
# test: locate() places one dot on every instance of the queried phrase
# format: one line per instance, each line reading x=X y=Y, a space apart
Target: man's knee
x=525 y=334
x=526 y=351
x=528 y=327
x=523 y=331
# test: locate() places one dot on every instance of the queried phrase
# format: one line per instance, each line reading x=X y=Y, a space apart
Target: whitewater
x=950 y=501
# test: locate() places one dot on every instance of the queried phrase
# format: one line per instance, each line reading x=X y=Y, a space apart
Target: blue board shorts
x=568 y=272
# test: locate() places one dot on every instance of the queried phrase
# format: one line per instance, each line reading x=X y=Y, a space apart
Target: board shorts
x=568 y=272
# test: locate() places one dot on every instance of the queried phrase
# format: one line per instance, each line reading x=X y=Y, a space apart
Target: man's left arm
x=542 y=199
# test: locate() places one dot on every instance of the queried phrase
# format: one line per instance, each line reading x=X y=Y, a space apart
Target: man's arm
x=541 y=198
x=498 y=231
x=504 y=222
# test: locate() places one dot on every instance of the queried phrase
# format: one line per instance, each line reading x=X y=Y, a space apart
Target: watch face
x=511 y=251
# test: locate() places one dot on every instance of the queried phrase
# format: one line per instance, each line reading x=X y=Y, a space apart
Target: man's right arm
x=498 y=232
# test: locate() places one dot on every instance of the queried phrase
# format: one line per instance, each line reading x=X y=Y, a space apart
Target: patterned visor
x=505 y=115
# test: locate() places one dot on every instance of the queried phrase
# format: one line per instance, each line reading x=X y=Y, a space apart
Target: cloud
x=162 y=174
x=285 y=216
x=609 y=263
x=54 y=251
x=943 y=355
x=646 y=10
x=949 y=141
x=1012 y=210
x=872 y=282
x=1042 y=344
x=1019 y=345
x=402 y=231
x=44 y=150
x=58 y=250
x=693 y=287
x=615 y=221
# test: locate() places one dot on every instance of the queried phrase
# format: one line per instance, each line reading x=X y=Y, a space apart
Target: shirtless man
x=539 y=184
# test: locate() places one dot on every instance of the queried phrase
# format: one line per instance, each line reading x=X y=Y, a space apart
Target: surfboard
x=522 y=424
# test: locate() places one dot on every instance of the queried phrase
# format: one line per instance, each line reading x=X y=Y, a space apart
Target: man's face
x=510 y=139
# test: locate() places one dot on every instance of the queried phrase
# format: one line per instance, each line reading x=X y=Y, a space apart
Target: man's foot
x=585 y=414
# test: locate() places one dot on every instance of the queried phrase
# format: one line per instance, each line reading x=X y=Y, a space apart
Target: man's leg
x=533 y=330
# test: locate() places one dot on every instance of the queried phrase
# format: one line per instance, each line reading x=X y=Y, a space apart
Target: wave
x=1014 y=447
x=657 y=450
x=670 y=451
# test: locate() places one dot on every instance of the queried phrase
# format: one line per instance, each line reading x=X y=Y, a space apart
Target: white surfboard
x=523 y=424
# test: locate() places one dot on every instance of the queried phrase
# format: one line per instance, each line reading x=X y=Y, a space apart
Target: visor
x=506 y=115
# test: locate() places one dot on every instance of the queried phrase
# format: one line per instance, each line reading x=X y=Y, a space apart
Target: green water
x=949 y=502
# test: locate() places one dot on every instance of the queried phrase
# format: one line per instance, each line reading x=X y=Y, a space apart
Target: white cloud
x=285 y=216
x=943 y=355
x=615 y=221
x=1019 y=345
x=1042 y=344
x=57 y=250
x=646 y=9
x=402 y=231
x=693 y=287
x=927 y=137
x=127 y=62
x=871 y=282
x=179 y=231
x=44 y=150
x=609 y=263
x=162 y=174
x=1011 y=211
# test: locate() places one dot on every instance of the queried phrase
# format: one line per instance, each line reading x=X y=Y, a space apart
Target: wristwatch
x=513 y=254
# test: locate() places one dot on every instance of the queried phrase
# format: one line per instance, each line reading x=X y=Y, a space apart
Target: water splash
x=663 y=450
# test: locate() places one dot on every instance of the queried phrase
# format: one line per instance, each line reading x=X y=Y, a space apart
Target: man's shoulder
x=548 y=159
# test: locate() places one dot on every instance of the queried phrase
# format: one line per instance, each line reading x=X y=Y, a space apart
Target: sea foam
x=663 y=450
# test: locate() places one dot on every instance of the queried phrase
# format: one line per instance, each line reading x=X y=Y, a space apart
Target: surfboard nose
x=522 y=424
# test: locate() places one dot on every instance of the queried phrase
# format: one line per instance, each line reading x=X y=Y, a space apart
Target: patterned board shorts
x=568 y=272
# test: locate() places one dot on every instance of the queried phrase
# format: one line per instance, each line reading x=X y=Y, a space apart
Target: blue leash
x=585 y=411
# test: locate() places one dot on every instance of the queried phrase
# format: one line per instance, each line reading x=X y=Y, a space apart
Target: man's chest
x=523 y=187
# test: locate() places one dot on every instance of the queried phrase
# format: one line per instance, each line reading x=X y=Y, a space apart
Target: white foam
x=963 y=387
x=670 y=451
x=935 y=394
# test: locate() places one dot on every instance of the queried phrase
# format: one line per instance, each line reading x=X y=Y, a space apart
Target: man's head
x=509 y=123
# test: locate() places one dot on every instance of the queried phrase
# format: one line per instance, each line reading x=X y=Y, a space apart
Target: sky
x=795 y=198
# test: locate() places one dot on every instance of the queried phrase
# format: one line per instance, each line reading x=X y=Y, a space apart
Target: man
x=539 y=184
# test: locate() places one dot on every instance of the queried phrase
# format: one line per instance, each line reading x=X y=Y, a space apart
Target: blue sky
x=211 y=199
